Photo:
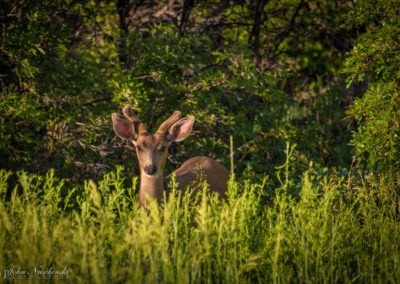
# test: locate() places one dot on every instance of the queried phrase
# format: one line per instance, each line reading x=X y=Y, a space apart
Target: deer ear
x=180 y=129
x=123 y=128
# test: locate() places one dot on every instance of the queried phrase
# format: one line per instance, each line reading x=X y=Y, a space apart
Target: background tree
x=375 y=57
x=265 y=72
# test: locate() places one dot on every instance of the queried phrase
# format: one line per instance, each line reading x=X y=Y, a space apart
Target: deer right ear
x=123 y=128
x=180 y=129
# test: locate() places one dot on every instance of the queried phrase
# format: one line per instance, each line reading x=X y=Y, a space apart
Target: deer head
x=152 y=149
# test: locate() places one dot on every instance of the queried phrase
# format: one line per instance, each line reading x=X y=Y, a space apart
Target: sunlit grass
x=337 y=229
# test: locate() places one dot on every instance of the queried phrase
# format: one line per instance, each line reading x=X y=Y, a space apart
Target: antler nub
x=127 y=111
x=169 y=122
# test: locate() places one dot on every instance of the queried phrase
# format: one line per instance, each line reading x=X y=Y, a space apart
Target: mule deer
x=152 y=151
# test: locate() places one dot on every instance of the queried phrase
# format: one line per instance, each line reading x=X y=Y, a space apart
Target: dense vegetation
x=346 y=229
x=307 y=90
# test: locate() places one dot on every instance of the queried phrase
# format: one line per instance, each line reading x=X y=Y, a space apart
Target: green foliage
x=43 y=87
x=376 y=55
x=378 y=137
x=65 y=75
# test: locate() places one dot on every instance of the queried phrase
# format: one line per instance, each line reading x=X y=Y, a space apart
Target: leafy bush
x=65 y=74
x=376 y=55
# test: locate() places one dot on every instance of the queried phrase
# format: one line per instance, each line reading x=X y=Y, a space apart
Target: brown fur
x=152 y=151
x=192 y=170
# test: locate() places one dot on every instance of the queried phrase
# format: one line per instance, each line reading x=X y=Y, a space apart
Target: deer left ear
x=123 y=128
x=180 y=129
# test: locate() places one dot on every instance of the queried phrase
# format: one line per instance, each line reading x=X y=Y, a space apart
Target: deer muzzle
x=150 y=169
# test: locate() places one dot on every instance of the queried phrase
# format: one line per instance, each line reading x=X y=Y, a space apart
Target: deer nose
x=150 y=169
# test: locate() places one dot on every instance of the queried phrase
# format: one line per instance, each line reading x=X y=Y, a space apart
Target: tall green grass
x=336 y=229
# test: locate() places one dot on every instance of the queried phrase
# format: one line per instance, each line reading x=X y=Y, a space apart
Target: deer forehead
x=149 y=140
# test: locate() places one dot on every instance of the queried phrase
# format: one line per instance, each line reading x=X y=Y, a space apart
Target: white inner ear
x=181 y=129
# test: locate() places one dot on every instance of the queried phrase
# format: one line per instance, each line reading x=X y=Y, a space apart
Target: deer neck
x=151 y=186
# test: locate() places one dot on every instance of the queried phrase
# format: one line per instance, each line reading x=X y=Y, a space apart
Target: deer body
x=152 y=151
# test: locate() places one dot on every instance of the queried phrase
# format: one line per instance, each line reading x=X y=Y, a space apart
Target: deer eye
x=139 y=148
x=162 y=148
